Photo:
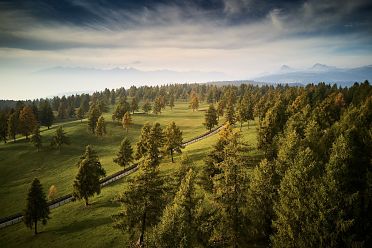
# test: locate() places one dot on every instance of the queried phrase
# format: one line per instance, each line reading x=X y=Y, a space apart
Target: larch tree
x=3 y=126
x=46 y=114
x=229 y=189
x=12 y=126
x=101 y=126
x=59 y=139
x=194 y=101
x=27 y=121
x=146 y=107
x=211 y=118
x=262 y=192
x=93 y=115
x=87 y=181
x=80 y=114
x=142 y=202
x=173 y=139
x=125 y=154
x=134 y=105
x=37 y=208
x=36 y=138
x=171 y=101
x=157 y=106
x=177 y=227
x=127 y=121
x=142 y=144
x=230 y=114
x=155 y=143
x=52 y=193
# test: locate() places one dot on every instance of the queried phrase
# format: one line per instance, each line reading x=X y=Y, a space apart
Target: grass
x=74 y=224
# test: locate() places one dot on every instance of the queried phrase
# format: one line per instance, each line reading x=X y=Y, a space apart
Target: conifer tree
x=37 y=208
x=211 y=118
x=87 y=181
x=141 y=203
x=93 y=115
x=173 y=139
x=220 y=108
x=157 y=106
x=46 y=114
x=171 y=101
x=142 y=144
x=36 y=138
x=62 y=111
x=177 y=227
x=262 y=192
x=134 y=105
x=52 y=193
x=125 y=153
x=127 y=120
x=12 y=126
x=295 y=209
x=3 y=126
x=194 y=101
x=101 y=126
x=80 y=114
x=27 y=121
x=146 y=107
x=230 y=114
x=155 y=143
x=229 y=189
x=59 y=138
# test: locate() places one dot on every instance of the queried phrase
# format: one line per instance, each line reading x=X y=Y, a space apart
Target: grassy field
x=74 y=224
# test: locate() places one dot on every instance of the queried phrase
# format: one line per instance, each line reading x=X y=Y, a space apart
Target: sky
x=224 y=39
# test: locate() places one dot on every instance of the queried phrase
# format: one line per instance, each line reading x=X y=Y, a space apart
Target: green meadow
x=74 y=224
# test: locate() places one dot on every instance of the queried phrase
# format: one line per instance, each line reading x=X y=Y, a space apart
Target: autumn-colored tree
x=101 y=126
x=127 y=121
x=194 y=101
x=27 y=121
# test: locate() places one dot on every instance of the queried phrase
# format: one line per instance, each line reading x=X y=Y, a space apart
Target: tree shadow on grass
x=79 y=225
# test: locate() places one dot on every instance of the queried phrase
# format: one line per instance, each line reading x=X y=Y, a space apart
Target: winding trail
x=16 y=218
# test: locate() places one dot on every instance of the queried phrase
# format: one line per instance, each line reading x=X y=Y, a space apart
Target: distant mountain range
x=318 y=73
x=134 y=75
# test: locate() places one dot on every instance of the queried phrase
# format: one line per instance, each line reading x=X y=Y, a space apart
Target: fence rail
x=16 y=218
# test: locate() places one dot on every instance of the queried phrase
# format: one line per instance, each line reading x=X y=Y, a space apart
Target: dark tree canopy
x=37 y=208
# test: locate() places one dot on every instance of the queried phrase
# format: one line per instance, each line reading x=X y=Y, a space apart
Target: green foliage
x=27 y=121
x=177 y=227
x=46 y=115
x=59 y=139
x=36 y=138
x=146 y=107
x=142 y=202
x=37 y=208
x=134 y=105
x=194 y=101
x=122 y=108
x=229 y=188
x=80 y=114
x=86 y=183
x=262 y=192
x=127 y=120
x=173 y=139
x=230 y=114
x=171 y=101
x=150 y=143
x=157 y=106
x=3 y=126
x=12 y=126
x=210 y=118
x=101 y=126
x=125 y=153
x=93 y=115
x=295 y=209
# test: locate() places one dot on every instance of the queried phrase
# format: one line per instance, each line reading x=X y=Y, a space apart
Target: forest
x=291 y=166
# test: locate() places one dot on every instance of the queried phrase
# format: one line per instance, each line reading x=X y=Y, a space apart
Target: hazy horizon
x=215 y=40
